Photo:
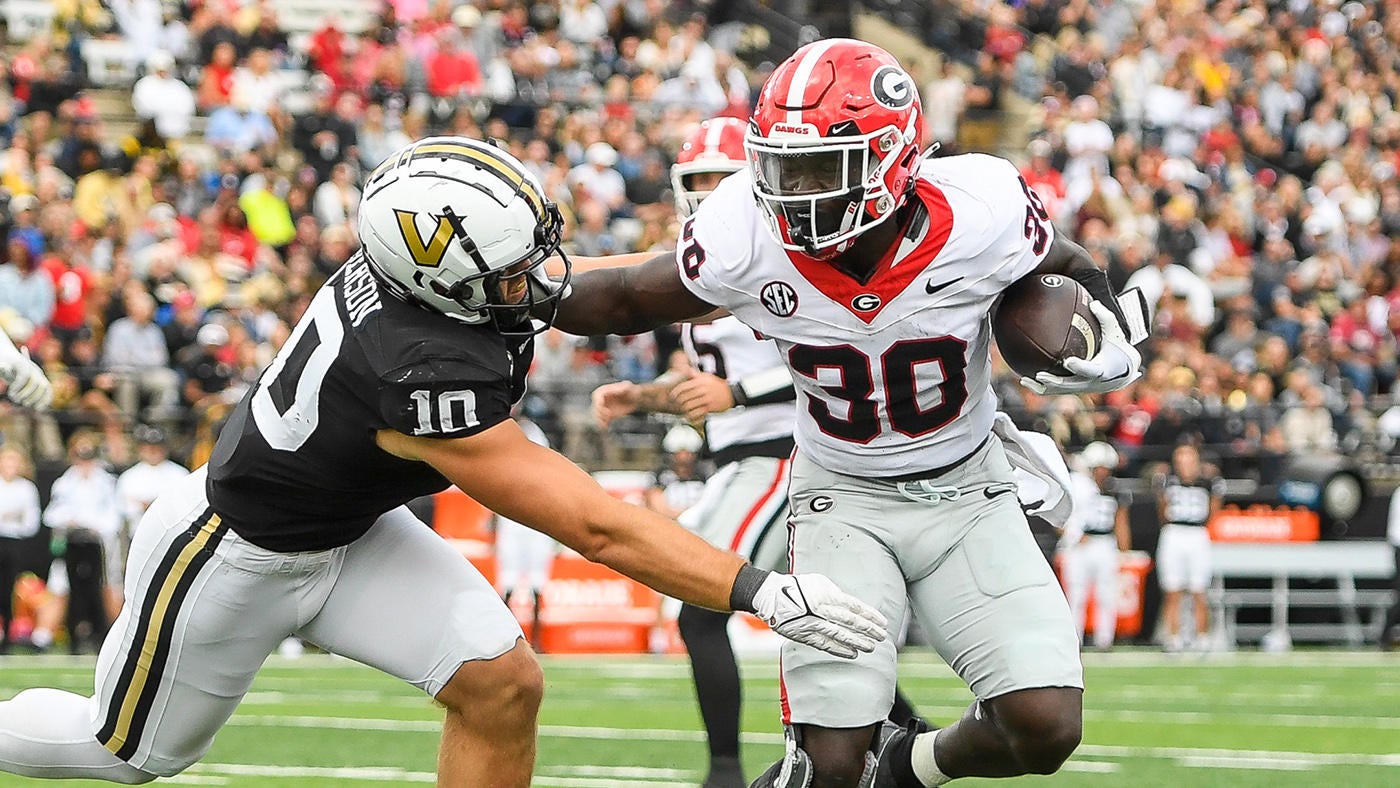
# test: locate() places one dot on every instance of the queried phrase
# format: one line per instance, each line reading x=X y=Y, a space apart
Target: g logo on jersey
x=779 y=298
x=425 y=253
x=892 y=87
x=821 y=503
x=865 y=302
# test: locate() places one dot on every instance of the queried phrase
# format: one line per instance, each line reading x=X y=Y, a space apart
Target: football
x=1042 y=320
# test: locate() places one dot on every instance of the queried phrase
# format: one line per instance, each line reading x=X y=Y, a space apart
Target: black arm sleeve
x=1096 y=282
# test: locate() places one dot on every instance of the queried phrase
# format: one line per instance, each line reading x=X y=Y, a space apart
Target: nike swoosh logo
x=931 y=288
x=992 y=493
x=787 y=592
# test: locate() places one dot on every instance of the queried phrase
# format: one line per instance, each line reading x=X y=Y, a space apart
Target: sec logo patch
x=779 y=298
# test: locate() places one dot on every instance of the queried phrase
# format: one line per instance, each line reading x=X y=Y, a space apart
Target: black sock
x=902 y=711
x=901 y=765
x=716 y=673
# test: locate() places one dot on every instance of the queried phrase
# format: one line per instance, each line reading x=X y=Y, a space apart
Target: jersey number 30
x=898 y=370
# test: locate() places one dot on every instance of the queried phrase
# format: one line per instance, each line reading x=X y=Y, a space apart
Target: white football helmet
x=462 y=228
x=1099 y=455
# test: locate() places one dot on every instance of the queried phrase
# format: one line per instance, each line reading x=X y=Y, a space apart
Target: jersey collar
x=928 y=229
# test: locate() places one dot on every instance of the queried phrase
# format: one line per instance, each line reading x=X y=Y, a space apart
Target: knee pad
x=793 y=771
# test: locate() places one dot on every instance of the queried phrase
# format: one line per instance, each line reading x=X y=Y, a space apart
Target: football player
x=874 y=269
x=397 y=380
x=524 y=556
x=1186 y=500
x=1101 y=536
x=25 y=382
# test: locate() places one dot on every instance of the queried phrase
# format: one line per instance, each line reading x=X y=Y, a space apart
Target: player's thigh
x=406 y=602
x=835 y=527
x=993 y=608
x=744 y=508
x=203 y=610
x=1105 y=566
x=1171 y=559
x=1198 y=564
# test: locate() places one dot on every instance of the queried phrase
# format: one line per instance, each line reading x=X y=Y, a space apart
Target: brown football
x=1042 y=320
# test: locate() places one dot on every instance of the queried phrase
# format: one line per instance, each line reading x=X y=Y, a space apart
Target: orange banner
x=1264 y=523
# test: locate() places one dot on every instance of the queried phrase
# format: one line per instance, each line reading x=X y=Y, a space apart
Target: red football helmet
x=833 y=144
x=716 y=147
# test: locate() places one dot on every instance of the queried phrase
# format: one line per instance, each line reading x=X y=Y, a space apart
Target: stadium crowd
x=1235 y=159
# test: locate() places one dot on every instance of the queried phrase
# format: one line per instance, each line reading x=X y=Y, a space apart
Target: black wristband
x=746 y=585
x=736 y=392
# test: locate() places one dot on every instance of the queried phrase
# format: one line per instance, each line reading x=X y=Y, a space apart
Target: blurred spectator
x=135 y=353
x=1042 y=176
x=239 y=127
x=379 y=135
x=337 y=201
x=597 y=179
x=141 y=23
x=24 y=287
x=327 y=135
x=85 y=517
x=216 y=82
x=453 y=70
x=1307 y=427
x=139 y=486
x=19 y=521
x=163 y=97
x=256 y=81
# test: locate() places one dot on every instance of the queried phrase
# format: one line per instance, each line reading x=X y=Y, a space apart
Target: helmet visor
x=795 y=172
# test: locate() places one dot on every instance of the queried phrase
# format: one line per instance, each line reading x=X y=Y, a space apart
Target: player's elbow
x=599 y=539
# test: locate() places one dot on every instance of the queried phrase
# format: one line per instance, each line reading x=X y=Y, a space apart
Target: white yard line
x=378 y=774
x=753 y=737
x=1092 y=767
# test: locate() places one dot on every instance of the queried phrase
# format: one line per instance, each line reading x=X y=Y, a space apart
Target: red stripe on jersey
x=758 y=507
x=891 y=276
x=782 y=694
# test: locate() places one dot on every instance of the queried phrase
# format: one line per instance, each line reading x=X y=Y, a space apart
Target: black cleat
x=725 y=773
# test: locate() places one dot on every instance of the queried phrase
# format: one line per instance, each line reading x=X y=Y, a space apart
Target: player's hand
x=811 y=610
x=614 y=400
x=1116 y=364
x=702 y=394
x=27 y=385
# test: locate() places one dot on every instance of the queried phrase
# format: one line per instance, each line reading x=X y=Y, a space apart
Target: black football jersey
x=1188 y=503
x=296 y=466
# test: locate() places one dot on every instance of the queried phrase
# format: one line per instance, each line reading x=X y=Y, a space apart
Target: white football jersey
x=729 y=349
x=893 y=376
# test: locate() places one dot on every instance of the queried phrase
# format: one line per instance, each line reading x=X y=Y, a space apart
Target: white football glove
x=27 y=385
x=811 y=610
x=1116 y=364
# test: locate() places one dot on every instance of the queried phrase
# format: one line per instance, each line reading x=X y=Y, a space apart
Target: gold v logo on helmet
x=428 y=254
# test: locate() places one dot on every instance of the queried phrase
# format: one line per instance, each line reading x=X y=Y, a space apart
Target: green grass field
x=1236 y=721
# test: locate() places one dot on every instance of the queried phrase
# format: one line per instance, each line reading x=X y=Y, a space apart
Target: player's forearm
x=655 y=397
x=1070 y=259
x=659 y=553
x=603 y=301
